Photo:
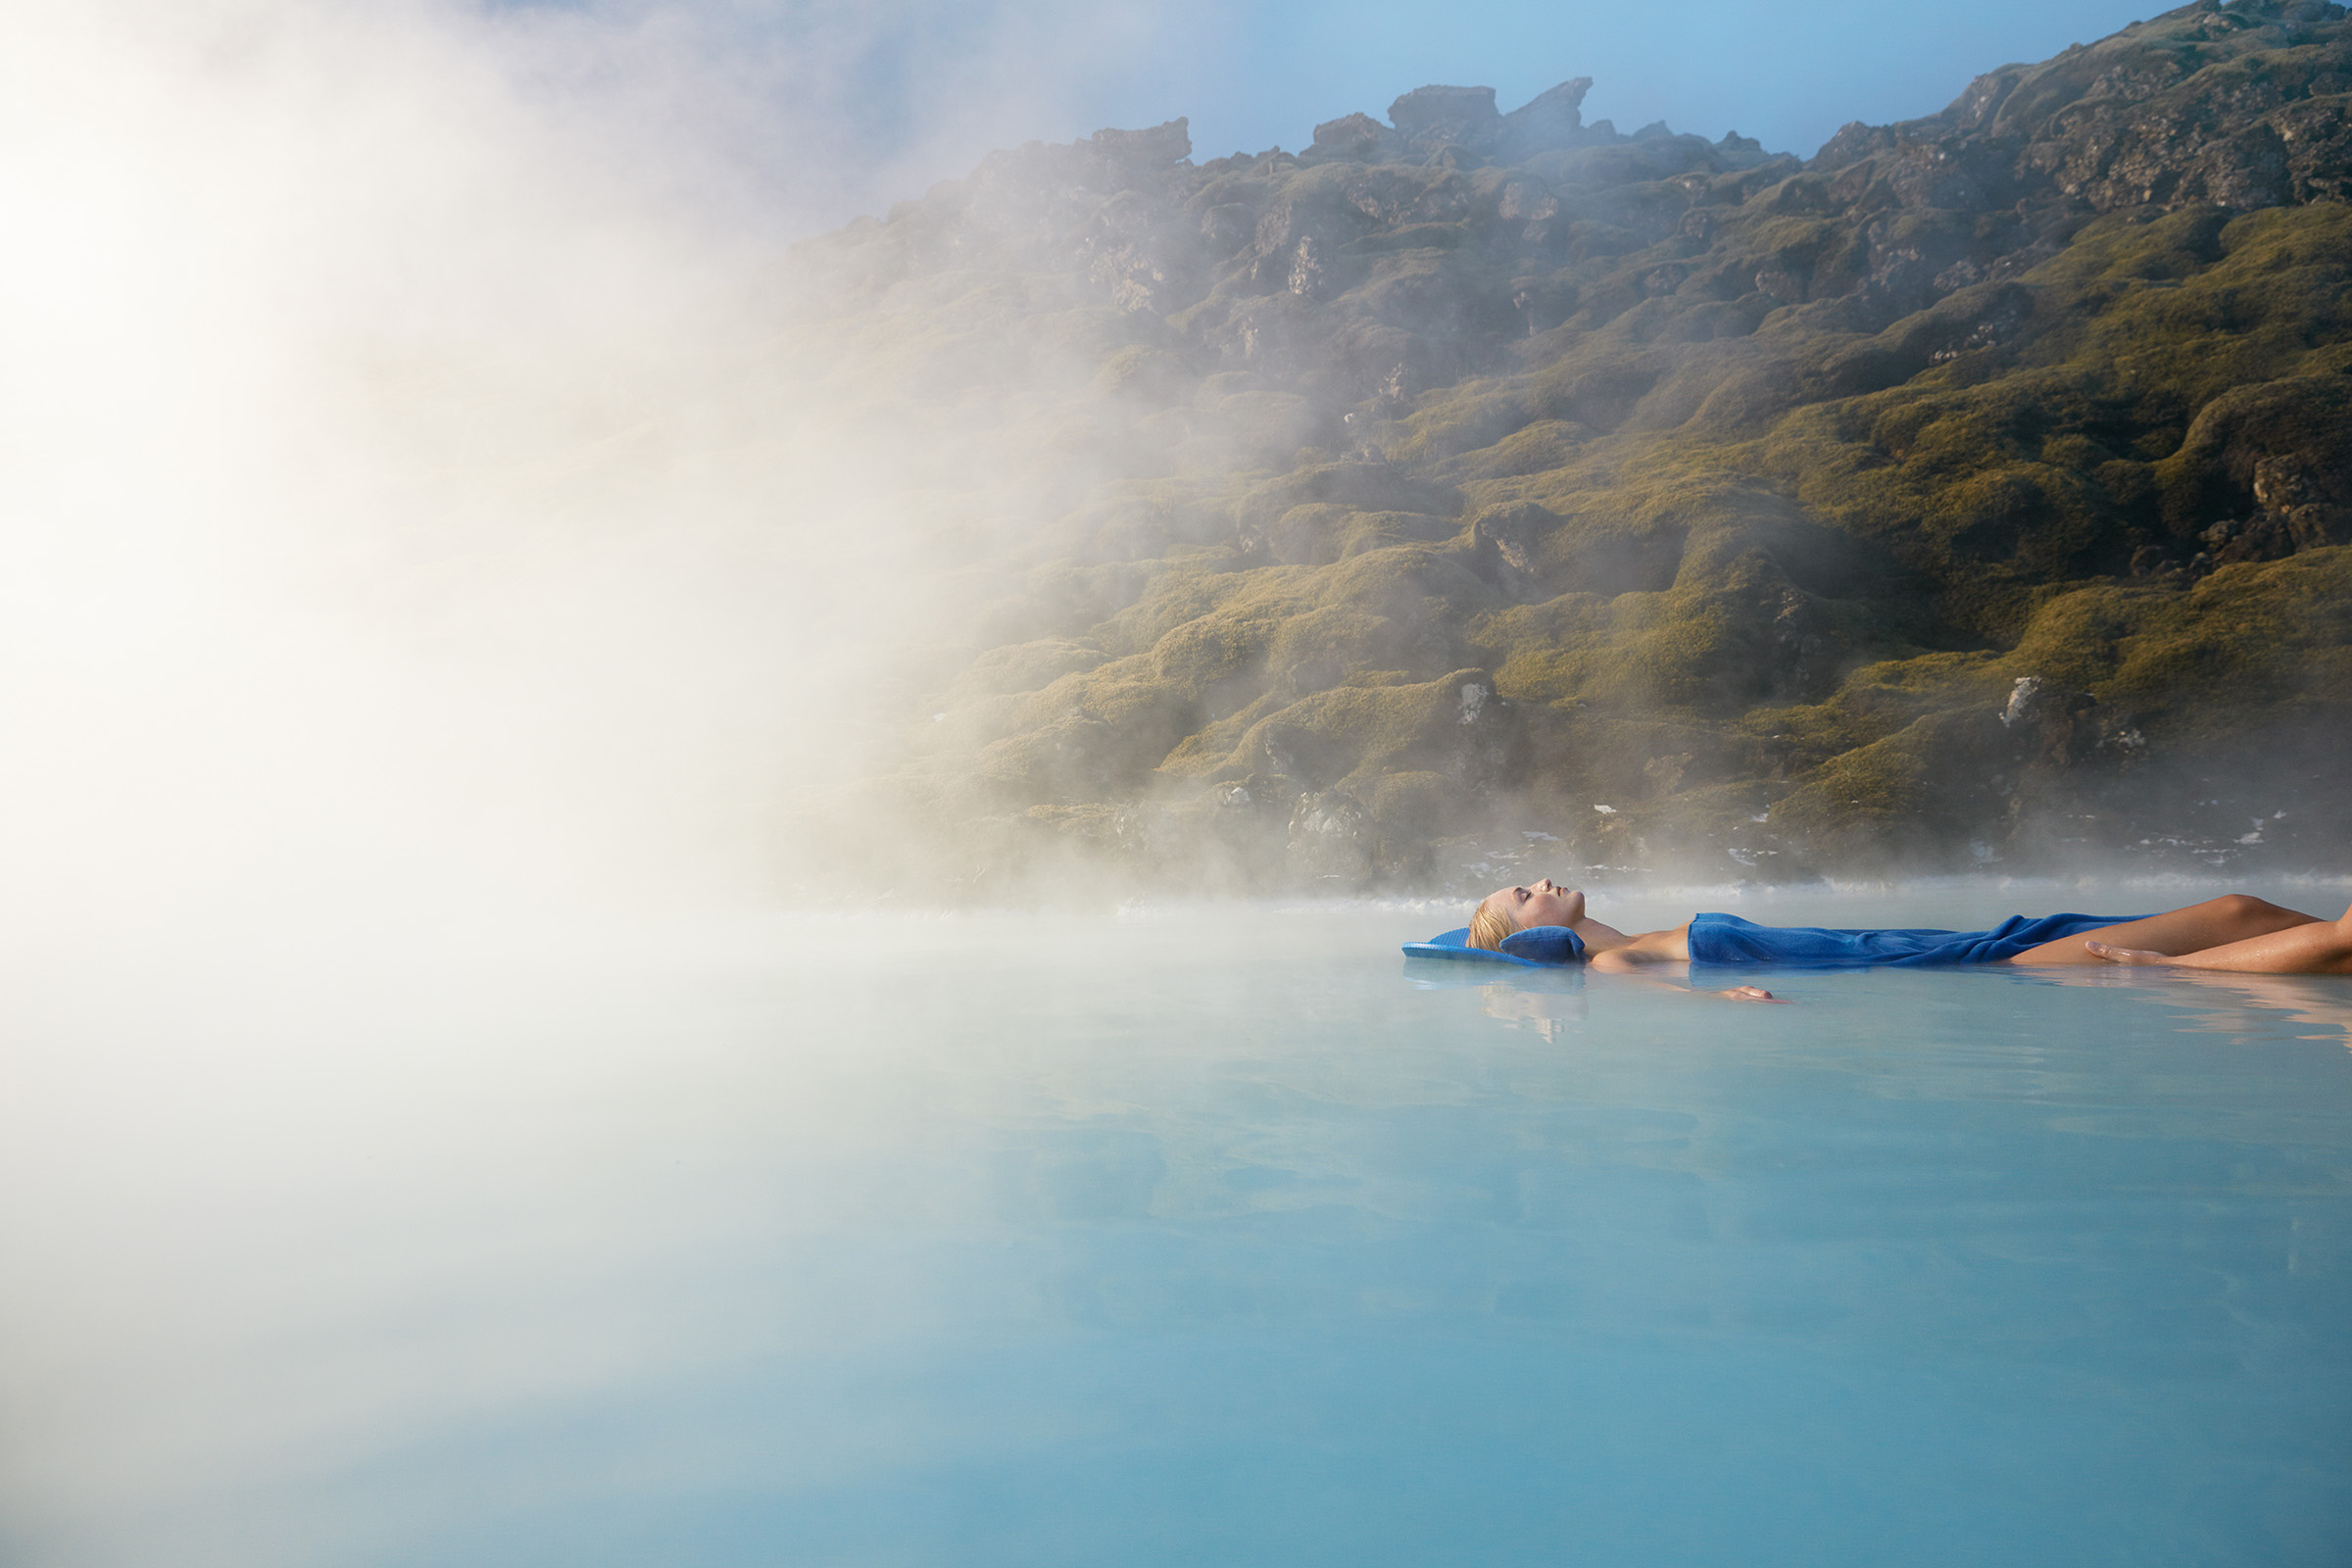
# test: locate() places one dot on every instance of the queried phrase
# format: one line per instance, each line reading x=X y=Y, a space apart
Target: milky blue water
x=1190 y=1237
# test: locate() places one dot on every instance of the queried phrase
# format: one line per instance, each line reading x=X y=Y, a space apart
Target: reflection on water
x=1222 y=1238
x=1549 y=1003
x=2233 y=1003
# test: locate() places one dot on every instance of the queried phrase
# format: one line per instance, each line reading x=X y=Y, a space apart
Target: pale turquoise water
x=1192 y=1238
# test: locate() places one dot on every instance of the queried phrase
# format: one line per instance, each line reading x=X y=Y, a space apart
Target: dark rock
x=2300 y=505
x=1431 y=119
x=1547 y=123
x=2025 y=702
x=1455 y=477
x=1331 y=839
x=2314 y=527
x=1153 y=148
x=1356 y=137
x=2317 y=137
x=1508 y=545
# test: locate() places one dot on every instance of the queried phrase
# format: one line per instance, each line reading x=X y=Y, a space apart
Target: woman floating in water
x=2235 y=932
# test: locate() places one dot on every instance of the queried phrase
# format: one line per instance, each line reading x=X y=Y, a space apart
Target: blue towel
x=1537 y=947
x=1728 y=939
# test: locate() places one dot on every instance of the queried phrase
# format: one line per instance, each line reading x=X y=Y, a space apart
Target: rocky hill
x=1475 y=485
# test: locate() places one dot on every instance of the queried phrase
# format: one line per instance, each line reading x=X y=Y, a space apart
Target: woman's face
x=1543 y=903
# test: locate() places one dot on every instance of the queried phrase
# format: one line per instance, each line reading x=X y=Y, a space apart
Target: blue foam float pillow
x=1537 y=947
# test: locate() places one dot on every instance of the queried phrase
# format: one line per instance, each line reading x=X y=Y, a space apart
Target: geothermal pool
x=1182 y=1236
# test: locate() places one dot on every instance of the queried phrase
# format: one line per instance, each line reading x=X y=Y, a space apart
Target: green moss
x=1904 y=797
x=1023 y=668
x=1750 y=485
x=1538 y=447
x=2242 y=640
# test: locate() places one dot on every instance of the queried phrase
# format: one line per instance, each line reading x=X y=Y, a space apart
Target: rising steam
x=406 y=491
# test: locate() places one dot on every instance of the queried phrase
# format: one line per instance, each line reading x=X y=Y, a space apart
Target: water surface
x=1184 y=1237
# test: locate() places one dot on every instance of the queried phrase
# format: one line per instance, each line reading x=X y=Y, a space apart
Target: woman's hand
x=1751 y=994
x=2115 y=955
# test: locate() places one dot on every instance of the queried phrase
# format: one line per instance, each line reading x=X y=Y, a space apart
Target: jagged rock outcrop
x=2238 y=106
x=1747 y=490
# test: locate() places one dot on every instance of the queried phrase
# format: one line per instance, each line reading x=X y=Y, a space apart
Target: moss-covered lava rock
x=1976 y=492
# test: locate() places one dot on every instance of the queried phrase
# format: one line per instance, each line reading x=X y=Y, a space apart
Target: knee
x=2245 y=907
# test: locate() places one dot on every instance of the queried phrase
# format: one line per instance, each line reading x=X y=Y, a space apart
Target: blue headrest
x=1538 y=946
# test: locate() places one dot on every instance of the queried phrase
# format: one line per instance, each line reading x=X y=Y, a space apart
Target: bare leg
x=2216 y=922
x=2315 y=947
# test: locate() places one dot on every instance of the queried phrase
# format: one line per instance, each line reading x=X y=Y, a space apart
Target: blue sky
x=1255 y=76
x=854 y=104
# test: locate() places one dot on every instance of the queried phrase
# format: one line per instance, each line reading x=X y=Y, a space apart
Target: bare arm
x=1632 y=954
x=1735 y=994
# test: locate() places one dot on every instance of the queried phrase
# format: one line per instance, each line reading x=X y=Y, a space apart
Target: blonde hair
x=1489 y=926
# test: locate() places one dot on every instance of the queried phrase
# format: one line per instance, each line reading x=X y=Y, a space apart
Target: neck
x=1597 y=937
